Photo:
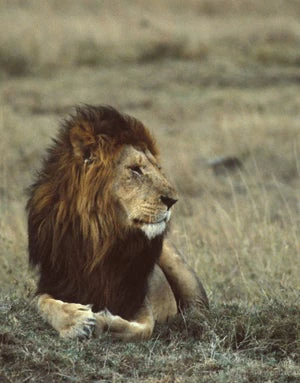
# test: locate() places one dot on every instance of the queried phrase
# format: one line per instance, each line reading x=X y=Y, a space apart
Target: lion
x=98 y=213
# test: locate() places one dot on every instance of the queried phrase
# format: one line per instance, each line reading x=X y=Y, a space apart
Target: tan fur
x=97 y=216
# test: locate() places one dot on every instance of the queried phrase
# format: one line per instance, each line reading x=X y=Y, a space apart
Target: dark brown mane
x=75 y=238
x=121 y=129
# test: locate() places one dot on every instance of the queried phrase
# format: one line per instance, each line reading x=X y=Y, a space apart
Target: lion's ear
x=82 y=139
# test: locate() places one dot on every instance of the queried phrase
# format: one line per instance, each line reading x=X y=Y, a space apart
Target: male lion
x=97 y=214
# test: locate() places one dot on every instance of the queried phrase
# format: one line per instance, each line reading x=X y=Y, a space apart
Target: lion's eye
x=136 y=170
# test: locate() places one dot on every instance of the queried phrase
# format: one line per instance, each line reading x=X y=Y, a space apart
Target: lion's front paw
x=76 y=320
x=120 y=328
x=71 y=320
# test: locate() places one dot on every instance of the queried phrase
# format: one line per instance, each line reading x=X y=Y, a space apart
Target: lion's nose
x=169 y=202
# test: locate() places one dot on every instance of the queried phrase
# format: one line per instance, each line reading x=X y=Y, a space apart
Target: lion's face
x=143 y=193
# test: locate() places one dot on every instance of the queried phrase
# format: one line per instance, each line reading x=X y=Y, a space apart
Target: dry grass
x=43 y=37
x=208 y=86
x=234 y=347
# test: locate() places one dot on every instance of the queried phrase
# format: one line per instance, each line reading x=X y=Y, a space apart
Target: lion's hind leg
x=71 y=320
x=185 y=284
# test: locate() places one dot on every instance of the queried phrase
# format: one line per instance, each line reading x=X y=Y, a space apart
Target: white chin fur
x=152 y=230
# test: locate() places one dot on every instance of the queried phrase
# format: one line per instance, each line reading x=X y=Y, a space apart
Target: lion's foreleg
x=140 y=328
x=160 y=305
x=69 y=319
x=161 y=296
x=184 y=282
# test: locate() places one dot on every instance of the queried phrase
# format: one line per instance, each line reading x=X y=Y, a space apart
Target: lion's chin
x=152 y=230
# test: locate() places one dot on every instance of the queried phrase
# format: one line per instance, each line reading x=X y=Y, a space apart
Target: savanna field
x=218 y=84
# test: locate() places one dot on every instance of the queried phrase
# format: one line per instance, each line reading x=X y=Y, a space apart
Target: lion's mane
x=75 y=238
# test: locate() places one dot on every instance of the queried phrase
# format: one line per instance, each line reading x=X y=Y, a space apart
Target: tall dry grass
x=41 y=37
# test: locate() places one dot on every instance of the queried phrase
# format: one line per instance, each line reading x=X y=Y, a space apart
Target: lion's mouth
x=140 y=222
x=159 y=220
x=153 y=228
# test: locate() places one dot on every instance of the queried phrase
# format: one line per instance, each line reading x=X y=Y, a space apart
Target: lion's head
x=143 y=194
x=99 y=201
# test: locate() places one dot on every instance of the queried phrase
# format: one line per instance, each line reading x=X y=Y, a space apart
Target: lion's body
x=96 y=221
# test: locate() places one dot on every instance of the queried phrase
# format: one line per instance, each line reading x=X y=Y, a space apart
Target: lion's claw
x=88 y=331
x=88 y=328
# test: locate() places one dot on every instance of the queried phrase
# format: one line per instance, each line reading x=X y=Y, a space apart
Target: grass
x=52 y=36
x=234 y=346
x=208 y=86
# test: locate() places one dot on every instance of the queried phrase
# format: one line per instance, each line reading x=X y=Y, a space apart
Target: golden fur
x=97 y=216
